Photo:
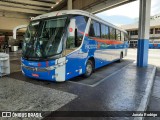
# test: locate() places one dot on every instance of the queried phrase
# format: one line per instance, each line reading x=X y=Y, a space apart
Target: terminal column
x=143 y=35
x=69 y=4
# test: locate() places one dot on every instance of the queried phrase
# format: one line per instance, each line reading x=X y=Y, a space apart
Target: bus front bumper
x=41 y=73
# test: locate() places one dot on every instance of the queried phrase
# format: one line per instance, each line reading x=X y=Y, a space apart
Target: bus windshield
x=43 y=38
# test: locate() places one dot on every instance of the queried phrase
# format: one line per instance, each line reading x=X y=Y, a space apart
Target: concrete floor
x=116 y=87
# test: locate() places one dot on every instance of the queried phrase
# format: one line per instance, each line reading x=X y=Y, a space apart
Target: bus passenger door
x=76 y=30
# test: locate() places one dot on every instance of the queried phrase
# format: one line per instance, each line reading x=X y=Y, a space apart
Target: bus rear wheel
x=89 y=69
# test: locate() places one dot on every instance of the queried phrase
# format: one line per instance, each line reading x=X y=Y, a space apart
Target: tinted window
x=81 y=22
x=94 y=29
x=122 y=36
x=104 y=31
x=125 y=37
x=118 y=35
x=112 y=33
x=157 y=30
x=151 y=31
x=75 y=41
x=134 y=32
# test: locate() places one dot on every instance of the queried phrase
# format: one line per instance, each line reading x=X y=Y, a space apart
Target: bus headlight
x=51 y=67
x=55 y=66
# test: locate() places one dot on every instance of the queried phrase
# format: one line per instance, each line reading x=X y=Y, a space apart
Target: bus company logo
x=21 y=115
x=33 y=64
x=6 y=114
x=90 y=46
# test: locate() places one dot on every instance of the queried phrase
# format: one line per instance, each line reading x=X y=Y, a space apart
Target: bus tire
x=121 y=58
x=89 y=69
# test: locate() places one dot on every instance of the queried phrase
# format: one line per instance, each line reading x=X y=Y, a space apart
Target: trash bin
x=14 y=48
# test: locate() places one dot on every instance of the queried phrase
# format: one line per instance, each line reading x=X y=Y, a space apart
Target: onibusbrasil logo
x=22 y=114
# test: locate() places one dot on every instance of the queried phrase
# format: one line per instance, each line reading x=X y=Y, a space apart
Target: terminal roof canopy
x=28 y=6
x=44 y=6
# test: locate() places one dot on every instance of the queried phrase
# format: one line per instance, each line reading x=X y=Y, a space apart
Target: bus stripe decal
x=107 y=41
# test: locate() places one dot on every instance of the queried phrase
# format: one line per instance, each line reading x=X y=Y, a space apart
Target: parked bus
x=153 y=44
x=64 y=44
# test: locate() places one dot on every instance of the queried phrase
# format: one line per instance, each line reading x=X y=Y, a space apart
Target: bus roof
x=77 y=12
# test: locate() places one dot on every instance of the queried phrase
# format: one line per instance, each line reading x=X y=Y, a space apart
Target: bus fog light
x=51 y=67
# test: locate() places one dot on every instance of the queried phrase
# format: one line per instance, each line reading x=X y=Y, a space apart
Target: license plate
x=35 y=75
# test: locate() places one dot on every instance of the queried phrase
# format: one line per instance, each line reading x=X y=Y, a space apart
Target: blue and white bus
x=154 y=44
x=64 y=44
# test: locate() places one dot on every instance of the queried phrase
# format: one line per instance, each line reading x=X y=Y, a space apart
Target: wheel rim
x=89 y=69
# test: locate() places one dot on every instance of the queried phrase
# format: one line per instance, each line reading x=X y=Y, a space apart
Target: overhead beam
x=22 y=6
x=61 y=5
x=4 y=8
x=29 y=2
x=47 y=1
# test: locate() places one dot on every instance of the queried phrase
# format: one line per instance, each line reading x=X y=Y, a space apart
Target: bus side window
x=112 y=33
x=104 y=31
x=91 y=30
x=107 y=32
x=75 y=40
x=118 y=35
x=81 y=22
x=94 y=29
x=122 y=36
x=96 y=26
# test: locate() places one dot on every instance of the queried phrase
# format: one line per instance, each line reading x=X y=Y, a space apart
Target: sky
x=128 y=13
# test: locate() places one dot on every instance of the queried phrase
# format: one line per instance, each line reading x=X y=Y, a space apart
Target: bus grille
x=35 y=69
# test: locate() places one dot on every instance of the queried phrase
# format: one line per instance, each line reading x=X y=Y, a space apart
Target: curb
x=145 y=100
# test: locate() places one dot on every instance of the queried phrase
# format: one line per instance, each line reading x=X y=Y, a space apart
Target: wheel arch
x=92 y=59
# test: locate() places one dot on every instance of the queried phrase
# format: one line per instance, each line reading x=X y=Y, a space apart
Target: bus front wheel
x=89 y=69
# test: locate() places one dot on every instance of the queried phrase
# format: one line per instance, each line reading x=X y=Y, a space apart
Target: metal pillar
x=69 y=5
x=143 y=36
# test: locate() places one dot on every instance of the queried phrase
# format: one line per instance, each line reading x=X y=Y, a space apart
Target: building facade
x=132 y=30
